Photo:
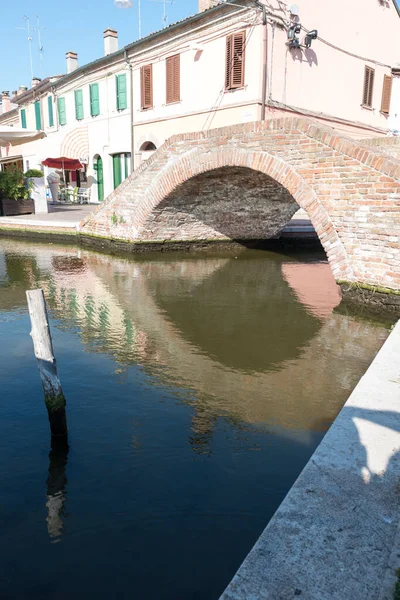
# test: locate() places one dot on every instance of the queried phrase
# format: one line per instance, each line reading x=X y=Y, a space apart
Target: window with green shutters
x=120 y=83
x=23 y=118
x=62 y=115
x=94 y=99
x=78 y=105
x=38 y=116
x=50 y=108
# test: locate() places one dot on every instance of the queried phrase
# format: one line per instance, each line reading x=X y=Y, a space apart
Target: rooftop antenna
x=40 y=46
x=164 y=2
x=128 y=4
x=28 y=29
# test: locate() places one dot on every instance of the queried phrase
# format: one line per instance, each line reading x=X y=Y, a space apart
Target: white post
x=53 y=394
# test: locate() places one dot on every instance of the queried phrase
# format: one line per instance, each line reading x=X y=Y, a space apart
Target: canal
x=197 y=388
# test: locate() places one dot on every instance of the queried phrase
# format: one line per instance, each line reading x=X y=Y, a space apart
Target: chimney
x=36 y=81
x=110 y=41
x=22 y=89
x=204 y=4
x=5 y=97
x=72 y=61
x=14 y=93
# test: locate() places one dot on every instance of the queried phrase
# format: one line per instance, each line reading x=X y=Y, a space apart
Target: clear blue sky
x=76 y=25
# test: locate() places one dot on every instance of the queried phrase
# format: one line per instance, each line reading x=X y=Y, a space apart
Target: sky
x=78 y=27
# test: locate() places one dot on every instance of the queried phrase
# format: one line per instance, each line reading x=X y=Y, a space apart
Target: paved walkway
x=336 y=535
x=65 y=216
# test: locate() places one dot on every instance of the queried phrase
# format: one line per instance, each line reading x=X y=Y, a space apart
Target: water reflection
x=57 y=488
x=252 y=337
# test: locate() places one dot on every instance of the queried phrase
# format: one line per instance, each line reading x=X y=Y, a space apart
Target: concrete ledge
x=335 y=535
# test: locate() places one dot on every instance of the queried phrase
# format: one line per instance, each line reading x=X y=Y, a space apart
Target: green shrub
x=34 y=173
x=13 y=186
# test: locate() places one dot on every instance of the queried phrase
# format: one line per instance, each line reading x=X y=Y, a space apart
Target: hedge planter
x=16 y=207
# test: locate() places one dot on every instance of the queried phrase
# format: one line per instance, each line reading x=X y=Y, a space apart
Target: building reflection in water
x=255 y=339
x=57 y=488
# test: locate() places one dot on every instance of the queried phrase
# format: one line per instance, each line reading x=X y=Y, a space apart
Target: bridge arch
x=194 y=163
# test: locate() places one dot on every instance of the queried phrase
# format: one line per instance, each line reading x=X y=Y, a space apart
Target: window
x=50 y=108
x=38 y=116
x=120 y=84
x=23 y=118
x=234 y=63
x=78 y=105
x=146 y=86
x=94 y=99
x=62 y=114
x=173 y=65
x=121 y=167
x=368 y=86
x=386 y=94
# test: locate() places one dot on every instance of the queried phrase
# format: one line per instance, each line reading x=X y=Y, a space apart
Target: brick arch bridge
x=245 y=182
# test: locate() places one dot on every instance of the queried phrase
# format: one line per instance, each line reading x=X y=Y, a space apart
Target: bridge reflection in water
x=249 y=345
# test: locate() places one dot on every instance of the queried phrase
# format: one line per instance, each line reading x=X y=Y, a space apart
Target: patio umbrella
x=67 y=164
x=64 y=163
x=18 y=135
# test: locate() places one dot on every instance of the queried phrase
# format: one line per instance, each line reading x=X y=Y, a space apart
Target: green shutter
x=126 y=165
x=38 y=116
x=120 y=83
x=23 y=118
x=94 y=100
x=50 y=106
x=78 y=105
x=62 y=115
x=117 y=170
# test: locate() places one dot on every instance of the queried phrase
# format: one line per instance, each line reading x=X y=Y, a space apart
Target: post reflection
x=57 y=488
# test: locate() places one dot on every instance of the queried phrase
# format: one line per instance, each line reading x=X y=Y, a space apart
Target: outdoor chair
x=83 y=195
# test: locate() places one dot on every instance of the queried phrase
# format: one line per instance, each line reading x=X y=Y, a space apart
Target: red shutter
x=386 y=94
x=368 y=90
x=146 y=86
x=235 y=59
x=228 y=62
x=173 y=74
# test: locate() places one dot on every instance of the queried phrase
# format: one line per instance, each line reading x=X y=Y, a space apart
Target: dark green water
x=197 y=389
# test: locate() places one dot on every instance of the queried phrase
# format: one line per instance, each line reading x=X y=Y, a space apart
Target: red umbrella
x=67 y=164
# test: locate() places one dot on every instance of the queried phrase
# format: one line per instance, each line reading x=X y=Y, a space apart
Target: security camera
x=311 y=35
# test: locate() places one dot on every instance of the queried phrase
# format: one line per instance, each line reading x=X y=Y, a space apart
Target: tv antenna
x=28 y=29
x=40 y=45
x=165 y=15
x=129 y=4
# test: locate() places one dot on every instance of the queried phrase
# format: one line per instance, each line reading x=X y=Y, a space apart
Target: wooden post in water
x=53 y=394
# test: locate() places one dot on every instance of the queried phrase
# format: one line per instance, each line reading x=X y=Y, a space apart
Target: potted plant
x=15 y=194
x=35 y=178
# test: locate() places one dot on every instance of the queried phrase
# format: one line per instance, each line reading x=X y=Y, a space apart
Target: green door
x=100 y=185
x=117 y=170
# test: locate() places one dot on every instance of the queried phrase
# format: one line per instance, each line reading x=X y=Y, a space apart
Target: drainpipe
x=131 y=117
x=265 y=61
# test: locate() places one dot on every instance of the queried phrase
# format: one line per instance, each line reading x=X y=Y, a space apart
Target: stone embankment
x=336 y=535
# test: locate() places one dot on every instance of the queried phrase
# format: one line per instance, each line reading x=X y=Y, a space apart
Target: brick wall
x=350 y=192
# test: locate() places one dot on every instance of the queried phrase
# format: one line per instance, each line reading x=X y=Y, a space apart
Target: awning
x=67 y=164
x=18 y=135
x=10 y=159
